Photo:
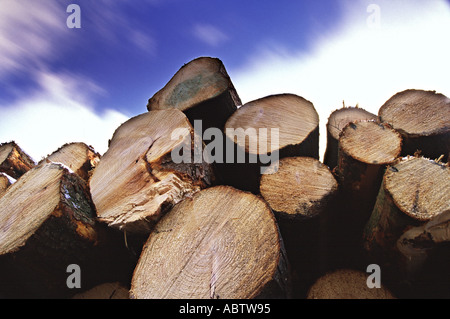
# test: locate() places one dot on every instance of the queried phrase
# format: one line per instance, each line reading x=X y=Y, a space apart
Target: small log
x=262 y=131
x=137 y=179
x=422 y=117
x=365 y=149
x=78 y=157
x=113 y=290
x=413 y=191
x=301 y=194
x=47 y=223
x=346 y=284
x=14 y=161
x=337 y=120
x=197 y=251
x=5 y=182
x=425 y=256
x=201 y=89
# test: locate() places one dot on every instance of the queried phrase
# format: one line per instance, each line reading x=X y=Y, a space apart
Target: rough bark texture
x=221 y=243
x=137 y=180
x=414 y=191
x=346 y=284
x=43 y=233
x=262 y=131
x=201 y=89
x=337 y=120
x=78 y=157
x=301 y=194
x=14 y=161
x=423 y=118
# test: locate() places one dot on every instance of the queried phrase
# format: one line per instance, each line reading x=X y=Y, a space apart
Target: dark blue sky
x=84 y=82
x=104 y=50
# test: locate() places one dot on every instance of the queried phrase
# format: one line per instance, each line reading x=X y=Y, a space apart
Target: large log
x=47 y=223
x=337 y=120
x=78 y=157
x=346 y=284
x=264 y=130
x=423 y=118
x=221 y=243
x=142 y=174
x=414 y=191
x=201 y=89
x=14 y=161
x=302 y=193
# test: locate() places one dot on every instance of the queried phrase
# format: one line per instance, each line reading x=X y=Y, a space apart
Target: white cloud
x=58 y=113
x=28 y=31
x=358 y=63
x=209 y=34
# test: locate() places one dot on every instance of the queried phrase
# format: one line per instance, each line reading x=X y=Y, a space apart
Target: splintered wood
x=203 y=197
x=199 y=251
x=14 y=161
x=136 y=181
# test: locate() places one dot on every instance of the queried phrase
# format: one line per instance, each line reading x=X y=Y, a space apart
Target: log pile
x=203 y=197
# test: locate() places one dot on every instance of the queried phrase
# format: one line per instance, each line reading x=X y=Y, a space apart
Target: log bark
x=302 y=193
x=424 y=256
x=422 y=117
x=78 y=157
x=14 y=161
x=201 y=89
x=141 y=176
x=365 y=149
x=221 y=243
x=414 y=191
x=337 y=120
x=47 y=223
x=346 y=284
x=262 y=131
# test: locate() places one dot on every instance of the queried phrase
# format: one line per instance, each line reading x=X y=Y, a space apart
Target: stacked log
x=302 y=194
x=422 y=117
x=415 y=191
x=337 y=120
x=14 y=161
x=264 y=130
x=238 y=206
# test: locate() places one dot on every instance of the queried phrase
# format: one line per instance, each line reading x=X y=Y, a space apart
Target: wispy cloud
x=28 y=32
x=209 y=34
x=359 y=63
x=59 y=112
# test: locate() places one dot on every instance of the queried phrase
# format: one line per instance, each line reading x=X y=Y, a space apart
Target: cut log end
x=78 y=157
x=417 y=112
x=346 y=284
x=420 y=187
x=137 y=180
x=197 y=251
x=337 y=120
x=294 y=117
x=370 y=142
x=300 y=189
x=14 y=161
